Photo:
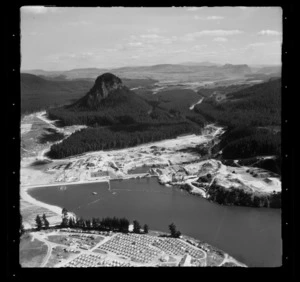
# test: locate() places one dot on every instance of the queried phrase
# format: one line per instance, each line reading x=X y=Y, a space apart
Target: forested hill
x=129 y=119
x=109 y=102
x=253 y=119
x=258 y=105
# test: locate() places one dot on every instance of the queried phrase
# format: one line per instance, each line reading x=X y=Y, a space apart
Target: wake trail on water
x=93 y=202
x=88 y=204
x=220 y=225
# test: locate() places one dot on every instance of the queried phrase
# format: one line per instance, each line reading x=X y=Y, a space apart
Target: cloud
x=135 y=57
x=39 y=9
x=193 y=9
x=135 y=44
x=78 y=23
x=151 y=36
x=199 y=47
x=257 y=44
x=110 y=50
x=215 y=18
x=155 y=30
x=220 y=39
x=263 y=45
x=178 y=51
x=74 y=56
x=33 y=33
x=210 y=18
x=146 y=39
x=217 y=32
x=269 y=32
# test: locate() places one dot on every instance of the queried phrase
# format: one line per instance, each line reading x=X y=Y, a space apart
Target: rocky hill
x=108 y=92
x=110 y=102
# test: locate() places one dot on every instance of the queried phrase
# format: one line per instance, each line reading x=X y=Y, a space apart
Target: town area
x=77 y=248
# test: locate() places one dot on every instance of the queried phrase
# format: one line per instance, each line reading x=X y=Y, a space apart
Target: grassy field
x=32 y=253
x=57 y=255
x=65 y=239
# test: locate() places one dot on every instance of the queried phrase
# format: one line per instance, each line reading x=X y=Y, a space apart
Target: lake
x=251 y=235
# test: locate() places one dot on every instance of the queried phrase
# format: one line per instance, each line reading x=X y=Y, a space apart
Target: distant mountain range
x=185 y=72
x=205 y=64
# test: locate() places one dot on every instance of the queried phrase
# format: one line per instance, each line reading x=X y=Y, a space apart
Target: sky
x=65 y=38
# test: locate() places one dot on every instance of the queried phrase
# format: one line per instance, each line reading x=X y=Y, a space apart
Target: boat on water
x=94 y=193
x=62 y=188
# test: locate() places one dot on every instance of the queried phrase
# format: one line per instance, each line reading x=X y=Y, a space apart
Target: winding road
x=199 y=102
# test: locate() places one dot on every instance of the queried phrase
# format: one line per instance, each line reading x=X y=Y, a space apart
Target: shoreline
x=56 y=209
x=24 y=165
x=108 y=156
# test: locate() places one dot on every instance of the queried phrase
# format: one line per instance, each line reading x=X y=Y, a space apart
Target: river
x=251 y=235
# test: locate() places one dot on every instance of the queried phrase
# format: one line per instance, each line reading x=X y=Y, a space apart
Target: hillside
x=258 y=105
x=109 y=102
x=118 y=118
x=43 y=91
x=235 y=70
x=207 y=64
x=253 y=118
x=38 y=93
x=270 y=70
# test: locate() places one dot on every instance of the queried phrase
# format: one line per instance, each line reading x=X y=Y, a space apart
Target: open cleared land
x=32 y=251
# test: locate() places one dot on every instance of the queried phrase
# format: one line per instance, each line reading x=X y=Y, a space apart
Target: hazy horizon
x=131 y=66
x=60 y=39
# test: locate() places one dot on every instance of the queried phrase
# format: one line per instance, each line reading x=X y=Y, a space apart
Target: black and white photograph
x=150 y=137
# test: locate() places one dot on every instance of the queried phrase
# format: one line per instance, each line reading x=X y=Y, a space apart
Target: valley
x=149 y=137
x=186 y=155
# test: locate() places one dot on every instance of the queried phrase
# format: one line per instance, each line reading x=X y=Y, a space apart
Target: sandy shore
x=26 y=197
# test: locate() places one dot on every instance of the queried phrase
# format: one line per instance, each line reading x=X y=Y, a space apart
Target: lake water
x=251 y=235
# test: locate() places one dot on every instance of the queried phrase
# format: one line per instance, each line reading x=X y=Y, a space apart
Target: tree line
x=118 y=137
x=41 y=222
x=109 y=224
x=238 y=197
x=105 y=224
